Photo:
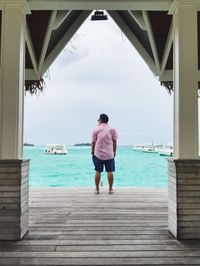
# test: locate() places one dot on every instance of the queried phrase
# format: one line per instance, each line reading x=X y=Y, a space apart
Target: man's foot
x=96 y=191
x=111 y=191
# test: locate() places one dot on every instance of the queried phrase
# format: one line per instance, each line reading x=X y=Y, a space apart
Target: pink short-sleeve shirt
x=103 y=137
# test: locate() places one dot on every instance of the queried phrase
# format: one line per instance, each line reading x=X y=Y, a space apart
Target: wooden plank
x=68 y=227
x=99 y=261
x=110 y=237
x=105 y=254
x=77 y=227
x=119 y=233
x=97 y=248
x=67 y=242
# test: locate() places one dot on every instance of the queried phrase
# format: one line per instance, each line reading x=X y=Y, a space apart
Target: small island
x=28 y=144
x=82 y=144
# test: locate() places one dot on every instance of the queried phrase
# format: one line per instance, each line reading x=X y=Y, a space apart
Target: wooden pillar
x=12 y=80
x=184 y=168
x=13 y=199
x=185 y=82
x=13 y=170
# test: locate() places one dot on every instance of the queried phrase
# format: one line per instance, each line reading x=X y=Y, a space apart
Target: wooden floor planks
x=71 y=226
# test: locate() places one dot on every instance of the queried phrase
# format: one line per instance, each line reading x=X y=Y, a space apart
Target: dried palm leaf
x=168 y=85
x=34 y=86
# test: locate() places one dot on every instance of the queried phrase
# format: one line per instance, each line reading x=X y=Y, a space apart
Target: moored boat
x=167 y=151
x=138 y=147
x=59 y=149
x=150 y=149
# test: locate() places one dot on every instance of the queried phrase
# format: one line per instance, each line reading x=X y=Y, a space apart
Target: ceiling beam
x=134 y=41
x=138 y=17
x=60 y=17
x=23 y=4
x=64 y=40
x=167 y=75
x=100 y=4
x=31 y=49
x=151 y=40
x=167 y=49
x=30 y=74
x=47 y=39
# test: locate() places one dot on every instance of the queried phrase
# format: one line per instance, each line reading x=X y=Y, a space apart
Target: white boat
x=150 y=149
x=167 y=151
x=138 y=147
x=55 y=149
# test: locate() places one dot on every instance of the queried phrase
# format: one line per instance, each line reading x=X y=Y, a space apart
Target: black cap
x=103 y=118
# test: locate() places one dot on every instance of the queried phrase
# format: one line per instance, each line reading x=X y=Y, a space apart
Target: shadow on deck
x=70 y=226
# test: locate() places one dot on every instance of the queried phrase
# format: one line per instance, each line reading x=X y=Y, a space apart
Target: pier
x=74 y=226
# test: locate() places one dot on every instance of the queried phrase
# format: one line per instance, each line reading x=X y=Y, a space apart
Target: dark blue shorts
x=99 y=164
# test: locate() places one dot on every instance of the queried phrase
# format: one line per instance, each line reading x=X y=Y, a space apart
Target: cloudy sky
x=99 y=72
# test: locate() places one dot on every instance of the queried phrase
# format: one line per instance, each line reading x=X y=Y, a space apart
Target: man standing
x=104 y=145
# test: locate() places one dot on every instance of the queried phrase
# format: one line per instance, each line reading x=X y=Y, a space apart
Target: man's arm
x=93 y=146
x=114 y=146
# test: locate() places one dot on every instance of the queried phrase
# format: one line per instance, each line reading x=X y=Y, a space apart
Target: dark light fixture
x=99 y=15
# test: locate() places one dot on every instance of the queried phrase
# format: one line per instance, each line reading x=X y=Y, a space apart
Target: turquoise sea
x=133 y=168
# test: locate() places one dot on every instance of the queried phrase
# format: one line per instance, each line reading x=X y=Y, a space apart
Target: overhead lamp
x=99 y=15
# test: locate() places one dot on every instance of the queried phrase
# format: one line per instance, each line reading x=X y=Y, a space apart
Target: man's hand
x=93 y=146
x=114 y=147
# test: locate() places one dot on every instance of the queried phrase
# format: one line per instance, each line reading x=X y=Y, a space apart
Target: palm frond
x=34 y=86
x=168 y=85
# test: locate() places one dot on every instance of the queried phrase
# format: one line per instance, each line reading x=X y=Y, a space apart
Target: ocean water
x=133 y=168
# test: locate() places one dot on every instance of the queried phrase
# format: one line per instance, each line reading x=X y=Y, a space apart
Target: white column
x=12 y=79
x=185 y=81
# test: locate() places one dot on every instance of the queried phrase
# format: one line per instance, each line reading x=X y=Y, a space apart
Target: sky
x=99 y=71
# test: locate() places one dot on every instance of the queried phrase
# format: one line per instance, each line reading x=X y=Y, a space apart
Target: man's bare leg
x=97 y=181
x=110 y=181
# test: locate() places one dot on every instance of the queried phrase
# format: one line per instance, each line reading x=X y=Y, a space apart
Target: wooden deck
x=77 y=227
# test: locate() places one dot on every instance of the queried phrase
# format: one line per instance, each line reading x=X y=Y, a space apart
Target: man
x=104 y=145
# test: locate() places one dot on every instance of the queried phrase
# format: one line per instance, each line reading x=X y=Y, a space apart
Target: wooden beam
x=167 y=75
x=23 y=3
x=185 y=82
x=168 y=46
x=99 y=4
x=60 y=17
x=138 y=17
x=64 y=40
x=31 y=49
x=175 y=4
x=31 y=74
x=135 y=42
x=47 y=39
x=151 y=40
x=12 y=85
